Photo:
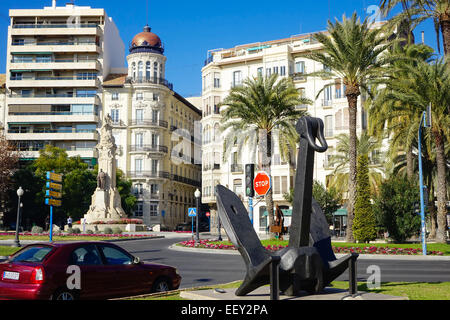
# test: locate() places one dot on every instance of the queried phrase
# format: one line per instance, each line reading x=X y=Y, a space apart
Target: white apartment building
x=226 y=68
x=153 y=127
x=57 y=58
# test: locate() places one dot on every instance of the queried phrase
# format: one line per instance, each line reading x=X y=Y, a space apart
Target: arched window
x=133 y=70
x=147 y=70
x=216 y=132
x=140 y=70
x=155 y=71
x=160 y=71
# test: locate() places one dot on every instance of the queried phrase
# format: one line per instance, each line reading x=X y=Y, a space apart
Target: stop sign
x=262 y=183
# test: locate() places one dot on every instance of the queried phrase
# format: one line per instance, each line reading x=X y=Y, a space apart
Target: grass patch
x=6 y=250
x=412 y=290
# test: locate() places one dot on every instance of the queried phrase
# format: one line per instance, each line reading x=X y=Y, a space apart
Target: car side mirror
x=136 y=260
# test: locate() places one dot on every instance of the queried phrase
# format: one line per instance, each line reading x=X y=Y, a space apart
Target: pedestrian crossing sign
x=192 y=212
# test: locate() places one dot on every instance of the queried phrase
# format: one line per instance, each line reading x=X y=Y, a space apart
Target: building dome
x=146 y=41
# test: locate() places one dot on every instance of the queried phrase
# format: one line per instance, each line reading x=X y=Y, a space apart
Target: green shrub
x=116 y=230
x=89 y=232
x=37 y=229
x=70 y=230
x=394 y=208
x=364 y=222
x=76 y=230
x=107 y=230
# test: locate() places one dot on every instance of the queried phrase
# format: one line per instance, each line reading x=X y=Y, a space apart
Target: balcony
x=150 y=80
x=55 y=64
x=148 y=148
x=298 y=76
x=60 y=98
x=148 y=123
x=326 y=102
x=53 y=82
x=52 y=116
x=236 y=168
x=60 y=46
x=56 y=29
x=148 y=174
x=185 y=180
x=52 y=134
x=33 y=152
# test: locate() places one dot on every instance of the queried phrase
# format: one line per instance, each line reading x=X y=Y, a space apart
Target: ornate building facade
x=153 y=127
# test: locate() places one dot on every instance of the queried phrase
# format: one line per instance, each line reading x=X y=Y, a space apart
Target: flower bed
x=80 y=235
x=120 y=221
x=209 y=244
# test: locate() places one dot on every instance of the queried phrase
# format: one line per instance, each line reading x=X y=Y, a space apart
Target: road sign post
x=192 y=212
x=262 y=183
x=53 y=195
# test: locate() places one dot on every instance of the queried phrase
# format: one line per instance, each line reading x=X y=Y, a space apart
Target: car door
x=128 y=278
x=92 y=280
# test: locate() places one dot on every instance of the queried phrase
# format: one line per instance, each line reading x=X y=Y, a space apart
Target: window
x=155 y=139
x=155 y=96
x=153 y=209
x=154 y=166
x=260 y=71
x=155 y=70
x=326 y=68
x=283 y=70
x=138 y=188
x=300 y=67
x=115 y=96
x=139 y=140
x=328 y=126
x=115 y=256
x=216 y=80
x=133 y=69
x=140 y=70
x=275 y=70
x=276 y=185
x=237 y=78
x=147 y=70
x=139 y=115
x=43 y=59
x=138 y=165
x=139 y=96
x=139 y=212
x=86 y=255
x=155 y=115
x=268 y=72
x=154 y=188
x=327 y=95
x=86 y=75
x=32 y=254
x=115 y=115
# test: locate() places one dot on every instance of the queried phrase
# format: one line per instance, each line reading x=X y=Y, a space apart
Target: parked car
x=48 y=271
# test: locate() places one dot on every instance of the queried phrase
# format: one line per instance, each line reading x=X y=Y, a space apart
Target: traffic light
x=249 y=176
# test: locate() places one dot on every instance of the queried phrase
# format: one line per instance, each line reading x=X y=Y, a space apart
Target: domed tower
x=146 y=61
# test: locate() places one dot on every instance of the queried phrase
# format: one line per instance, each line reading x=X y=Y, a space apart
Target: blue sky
x=189 y=29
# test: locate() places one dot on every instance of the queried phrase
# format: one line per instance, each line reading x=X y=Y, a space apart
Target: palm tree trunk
x=265 y=161
x=445 y=29
x=441 y=188
x=352 y=94
x=409 y=164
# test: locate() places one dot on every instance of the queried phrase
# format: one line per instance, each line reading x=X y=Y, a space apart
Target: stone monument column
x=106 y=204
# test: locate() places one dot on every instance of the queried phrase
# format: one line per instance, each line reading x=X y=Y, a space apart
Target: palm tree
x=417 y=11
x=366 y=145
x=354 y=52
x=429 y=85
x=389 y=116
x=254 y=112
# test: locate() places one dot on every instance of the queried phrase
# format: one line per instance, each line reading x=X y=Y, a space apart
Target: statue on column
x=106 y=203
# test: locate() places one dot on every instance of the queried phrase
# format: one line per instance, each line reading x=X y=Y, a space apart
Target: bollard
x=275 y=278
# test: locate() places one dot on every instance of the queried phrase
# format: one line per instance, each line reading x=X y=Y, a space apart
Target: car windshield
x=32 y=254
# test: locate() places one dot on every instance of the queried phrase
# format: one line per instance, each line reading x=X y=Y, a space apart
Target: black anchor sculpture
x=308 y=263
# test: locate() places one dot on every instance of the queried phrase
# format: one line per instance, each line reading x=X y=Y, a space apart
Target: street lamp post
x=197 y=194
x=20 y=194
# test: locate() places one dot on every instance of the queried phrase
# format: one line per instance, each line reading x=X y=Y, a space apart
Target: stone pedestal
x=104 y=206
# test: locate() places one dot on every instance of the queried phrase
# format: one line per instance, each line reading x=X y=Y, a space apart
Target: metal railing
x=152 y=80
x=236 y=168
x=159 y=123
x=148 y=148
x=43 y=26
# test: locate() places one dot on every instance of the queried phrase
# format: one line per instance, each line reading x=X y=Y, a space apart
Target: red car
x=81 y=270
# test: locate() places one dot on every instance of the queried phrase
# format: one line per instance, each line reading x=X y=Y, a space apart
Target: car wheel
x=64 y=295
x=161 y=285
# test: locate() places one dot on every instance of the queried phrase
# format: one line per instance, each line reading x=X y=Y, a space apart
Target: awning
x=258 y=48
x=286 y=212
x=340 y=212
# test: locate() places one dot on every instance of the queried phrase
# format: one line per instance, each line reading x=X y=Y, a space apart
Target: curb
x=338 y=255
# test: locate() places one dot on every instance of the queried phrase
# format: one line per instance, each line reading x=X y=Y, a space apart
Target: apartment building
x=57 y=58
x=227 y=68
x=154 y=127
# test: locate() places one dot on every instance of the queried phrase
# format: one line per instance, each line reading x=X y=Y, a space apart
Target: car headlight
x=176 y=271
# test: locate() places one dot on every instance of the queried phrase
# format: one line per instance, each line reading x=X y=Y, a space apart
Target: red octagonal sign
x=262 y=183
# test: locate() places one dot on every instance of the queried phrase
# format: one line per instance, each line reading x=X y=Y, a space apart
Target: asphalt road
x=199 y=269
